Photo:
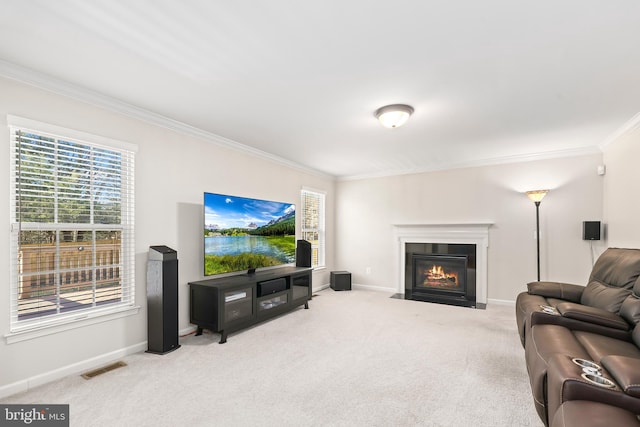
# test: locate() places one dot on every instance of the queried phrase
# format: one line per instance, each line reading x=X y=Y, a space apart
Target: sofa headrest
x=619 y=268
x=614 y=277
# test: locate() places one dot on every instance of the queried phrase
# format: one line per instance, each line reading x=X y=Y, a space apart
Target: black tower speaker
x=591 y=230
x=303 y=254
x=162 y=300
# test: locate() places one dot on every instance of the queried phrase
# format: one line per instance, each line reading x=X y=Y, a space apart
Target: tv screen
x=244 y=234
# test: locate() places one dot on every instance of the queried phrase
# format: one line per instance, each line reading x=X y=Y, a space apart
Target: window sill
x=79 y=321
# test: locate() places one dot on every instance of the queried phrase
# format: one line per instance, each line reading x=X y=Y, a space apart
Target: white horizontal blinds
x=72 y=228
x=313 y=225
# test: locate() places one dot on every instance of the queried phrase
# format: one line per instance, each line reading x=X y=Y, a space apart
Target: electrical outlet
x=367 y=270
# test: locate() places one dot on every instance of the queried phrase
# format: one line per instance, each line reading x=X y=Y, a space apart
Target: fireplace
x=468 y=240
x=441 y=272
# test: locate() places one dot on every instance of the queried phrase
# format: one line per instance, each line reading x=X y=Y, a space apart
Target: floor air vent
x=104 y=370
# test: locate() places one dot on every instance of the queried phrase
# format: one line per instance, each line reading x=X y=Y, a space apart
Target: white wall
x=621 y=189
x=173 y=171
x=367 y=209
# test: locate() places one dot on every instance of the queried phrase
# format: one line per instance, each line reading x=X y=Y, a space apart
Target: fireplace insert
x=440 y=273
x=447 y=277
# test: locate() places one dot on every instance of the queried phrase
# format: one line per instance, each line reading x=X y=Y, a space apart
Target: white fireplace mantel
x=462 y=233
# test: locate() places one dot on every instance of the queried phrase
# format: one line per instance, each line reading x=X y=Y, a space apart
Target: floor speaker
x=162 y=300
x=303 y=254
x=591 y=230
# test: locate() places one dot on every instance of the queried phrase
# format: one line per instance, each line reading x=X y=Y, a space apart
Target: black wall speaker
x=162 y=300
x=303 y=254
x=591 y=230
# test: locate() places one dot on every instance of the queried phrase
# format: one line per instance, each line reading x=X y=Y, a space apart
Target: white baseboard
x=373 y=288
x=501 y=302
x=383 y=289
x=73 y=369
x=358 y=286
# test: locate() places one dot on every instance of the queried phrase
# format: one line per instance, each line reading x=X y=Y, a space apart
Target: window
x=313 y=225
x=72 y=200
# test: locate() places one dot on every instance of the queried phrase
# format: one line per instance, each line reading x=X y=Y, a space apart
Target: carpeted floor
x=357 y=358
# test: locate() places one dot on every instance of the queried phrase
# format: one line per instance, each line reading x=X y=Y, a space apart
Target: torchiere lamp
x=536 y=196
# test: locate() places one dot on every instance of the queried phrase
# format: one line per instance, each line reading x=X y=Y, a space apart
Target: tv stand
x=228 y=304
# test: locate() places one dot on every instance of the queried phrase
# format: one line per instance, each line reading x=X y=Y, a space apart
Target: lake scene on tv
x=242 y=233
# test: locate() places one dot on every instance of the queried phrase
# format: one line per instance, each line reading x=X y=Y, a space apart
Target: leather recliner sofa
x=594 y=307
x=564 y=326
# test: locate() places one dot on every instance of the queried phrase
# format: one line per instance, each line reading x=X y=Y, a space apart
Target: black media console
x=227 y=304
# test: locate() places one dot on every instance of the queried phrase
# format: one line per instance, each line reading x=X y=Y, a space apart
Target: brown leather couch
x=594 y=307
x=596 y=324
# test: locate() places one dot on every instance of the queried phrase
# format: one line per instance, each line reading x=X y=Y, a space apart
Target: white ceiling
x=491 y=81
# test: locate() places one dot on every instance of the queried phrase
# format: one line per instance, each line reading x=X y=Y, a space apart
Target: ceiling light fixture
x=393 y=116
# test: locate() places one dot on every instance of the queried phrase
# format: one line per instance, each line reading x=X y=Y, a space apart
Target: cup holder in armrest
x=584 y=363
x=598 y=380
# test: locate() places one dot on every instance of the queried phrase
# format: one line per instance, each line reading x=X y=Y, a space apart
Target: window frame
x=21 y=329
x=318 y=248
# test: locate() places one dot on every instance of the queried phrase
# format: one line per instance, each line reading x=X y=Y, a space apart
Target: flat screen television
x=244 y=234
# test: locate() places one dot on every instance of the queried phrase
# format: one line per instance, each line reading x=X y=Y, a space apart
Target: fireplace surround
x=449 y=244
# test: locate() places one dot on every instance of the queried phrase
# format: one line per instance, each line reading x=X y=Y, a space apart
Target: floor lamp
x=536 y=196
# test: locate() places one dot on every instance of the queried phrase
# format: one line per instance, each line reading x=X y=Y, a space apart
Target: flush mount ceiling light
x=393 y=116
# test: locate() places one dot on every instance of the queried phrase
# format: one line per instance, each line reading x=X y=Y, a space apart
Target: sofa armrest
x=626 y=372
x=592 y=315
x=565 y=291
x=565 y=382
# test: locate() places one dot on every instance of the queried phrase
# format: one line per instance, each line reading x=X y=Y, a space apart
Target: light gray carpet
x=355 y=358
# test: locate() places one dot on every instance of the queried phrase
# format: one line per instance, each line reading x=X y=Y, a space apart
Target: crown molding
x=575 y=152
x=61 y=87
x=631 y=125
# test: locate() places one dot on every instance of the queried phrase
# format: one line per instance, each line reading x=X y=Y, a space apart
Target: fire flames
x=436 y=276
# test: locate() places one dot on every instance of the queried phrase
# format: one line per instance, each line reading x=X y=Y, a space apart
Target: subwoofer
x=303 y=254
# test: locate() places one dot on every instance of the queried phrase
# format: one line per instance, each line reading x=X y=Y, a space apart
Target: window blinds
x=313 y=225
x=72 y=218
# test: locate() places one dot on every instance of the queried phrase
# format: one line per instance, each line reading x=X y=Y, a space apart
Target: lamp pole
x=536 y=196
x=538 y=236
